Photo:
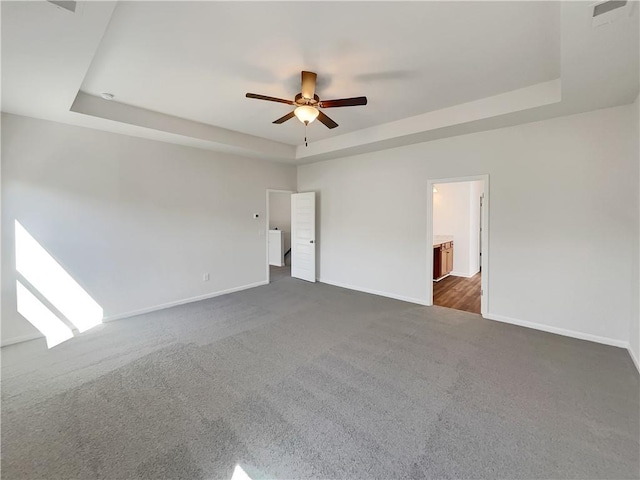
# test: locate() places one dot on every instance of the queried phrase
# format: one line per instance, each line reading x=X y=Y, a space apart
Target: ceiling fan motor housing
x=300 y=100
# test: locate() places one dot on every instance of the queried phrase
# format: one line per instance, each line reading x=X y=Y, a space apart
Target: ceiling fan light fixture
x=306 y=114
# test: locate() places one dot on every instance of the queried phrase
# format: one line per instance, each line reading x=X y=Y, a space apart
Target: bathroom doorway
x=457 y=232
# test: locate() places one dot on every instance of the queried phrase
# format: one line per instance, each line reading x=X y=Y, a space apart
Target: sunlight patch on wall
x=42 y=271
x=239 y=474
x=41 y=317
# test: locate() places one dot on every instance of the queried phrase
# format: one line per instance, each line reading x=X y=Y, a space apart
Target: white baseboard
x=634 y=358
x=133 y=313
x=23 y=338
x=374 y=292
x=489 y=316
x=559 y=331
x=162 y=306
x=464 y=275
x=441 y=278
x=458 y=274
x=501 y=318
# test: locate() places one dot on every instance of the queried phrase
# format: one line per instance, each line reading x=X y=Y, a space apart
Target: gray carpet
x=299 y=380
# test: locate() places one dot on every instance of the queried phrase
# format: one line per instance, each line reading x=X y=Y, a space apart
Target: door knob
x=310 y=241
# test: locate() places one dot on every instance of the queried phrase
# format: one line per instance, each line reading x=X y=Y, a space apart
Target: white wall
x=280 y=216
x=456 y=213
x=561 y=192
x=135 y=222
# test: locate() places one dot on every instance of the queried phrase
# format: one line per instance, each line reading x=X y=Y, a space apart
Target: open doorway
x=457 y=228
x=278 y=234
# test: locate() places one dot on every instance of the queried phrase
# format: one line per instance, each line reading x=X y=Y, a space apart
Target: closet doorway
x=278 y=234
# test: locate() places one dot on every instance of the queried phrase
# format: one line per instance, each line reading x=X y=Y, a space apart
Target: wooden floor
x=459 y=293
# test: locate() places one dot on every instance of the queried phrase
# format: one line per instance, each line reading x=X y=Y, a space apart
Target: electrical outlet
x=205 y=277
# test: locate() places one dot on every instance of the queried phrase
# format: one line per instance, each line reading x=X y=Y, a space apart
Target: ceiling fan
x=308 y=104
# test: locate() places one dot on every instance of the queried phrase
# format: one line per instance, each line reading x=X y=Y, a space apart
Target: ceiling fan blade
x=308 y=89
x=270 y=99
x=288 y=116
x=343 y=102
x=326 y=120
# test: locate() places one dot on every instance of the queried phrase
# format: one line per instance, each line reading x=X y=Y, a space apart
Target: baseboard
x=464 y=275
x=162 y=306
x=133 y=313
x=442 y=277
x=490 y=316
x=634 y=358
x=23 y=338
x=499 y=318
x=374 y=292
x=559 y=331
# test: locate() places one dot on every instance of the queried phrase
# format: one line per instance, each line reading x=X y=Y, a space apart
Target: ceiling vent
x=68 y=5
x=608 y=12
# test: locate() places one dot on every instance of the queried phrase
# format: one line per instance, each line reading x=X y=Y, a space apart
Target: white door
x=303 y=236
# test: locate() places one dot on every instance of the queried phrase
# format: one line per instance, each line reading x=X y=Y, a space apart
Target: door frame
x=484 y=299
x=266 y=230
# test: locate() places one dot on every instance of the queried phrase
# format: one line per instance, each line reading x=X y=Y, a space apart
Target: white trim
x=469 y=178
x=558 y=331
x=441 y=278
x=266 y=230
x=484 y=281
x=22 y=338
x=133 y=313
x=418 y=301
x=633 y=357
x=501 y=318
x=464 y=275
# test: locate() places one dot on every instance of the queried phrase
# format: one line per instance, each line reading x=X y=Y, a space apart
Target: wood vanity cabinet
x=442 y=259
x=449 y=253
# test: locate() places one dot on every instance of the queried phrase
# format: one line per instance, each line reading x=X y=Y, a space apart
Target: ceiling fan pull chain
x=305 y=134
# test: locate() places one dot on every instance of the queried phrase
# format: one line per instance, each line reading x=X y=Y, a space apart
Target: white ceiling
x=180 y=70
x=196 y=60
